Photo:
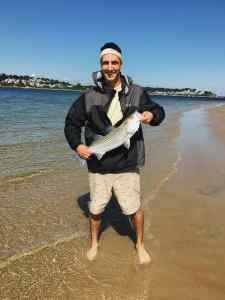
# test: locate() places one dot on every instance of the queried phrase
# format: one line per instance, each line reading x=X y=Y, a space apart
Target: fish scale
x=117 y=137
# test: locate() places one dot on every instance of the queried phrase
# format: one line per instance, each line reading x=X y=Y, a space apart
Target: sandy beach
x=44 y=225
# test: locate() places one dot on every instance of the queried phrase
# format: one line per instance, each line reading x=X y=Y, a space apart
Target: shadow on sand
x=112 y=216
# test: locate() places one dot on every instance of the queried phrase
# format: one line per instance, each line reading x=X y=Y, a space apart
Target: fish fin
x=99 y=155
x=82 y=162
x=127 y=143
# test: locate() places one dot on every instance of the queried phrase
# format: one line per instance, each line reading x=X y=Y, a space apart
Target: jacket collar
x=99 y=82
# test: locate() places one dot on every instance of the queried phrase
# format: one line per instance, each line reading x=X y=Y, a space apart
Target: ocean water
x=32 y=127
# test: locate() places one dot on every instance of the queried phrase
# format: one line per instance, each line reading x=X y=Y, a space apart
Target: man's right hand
x=83 y=151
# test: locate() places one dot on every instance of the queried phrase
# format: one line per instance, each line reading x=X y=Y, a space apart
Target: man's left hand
x=146 y=117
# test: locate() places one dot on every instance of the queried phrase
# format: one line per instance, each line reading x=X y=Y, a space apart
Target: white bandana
x=110 y=51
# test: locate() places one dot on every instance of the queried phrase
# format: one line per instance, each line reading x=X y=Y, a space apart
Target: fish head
x=133 y=122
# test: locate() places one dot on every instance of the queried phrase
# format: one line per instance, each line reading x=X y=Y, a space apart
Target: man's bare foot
x=92 y=252
x=144 y=257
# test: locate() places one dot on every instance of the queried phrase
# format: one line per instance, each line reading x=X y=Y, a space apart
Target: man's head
x=111 y=63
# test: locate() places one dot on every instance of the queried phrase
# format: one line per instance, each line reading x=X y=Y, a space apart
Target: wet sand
x=44 y=225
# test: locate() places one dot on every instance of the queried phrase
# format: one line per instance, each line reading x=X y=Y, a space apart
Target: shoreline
x=191 y=96
x=33 y=88
x=151 y=94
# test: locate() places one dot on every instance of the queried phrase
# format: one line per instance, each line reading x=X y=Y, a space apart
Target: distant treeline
x=161 y=89
x=176 y=91
x=4 y=76
x=26 y=77
x=38 y=82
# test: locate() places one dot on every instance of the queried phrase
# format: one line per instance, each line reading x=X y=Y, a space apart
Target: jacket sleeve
x=146 y=104
x=75 y=120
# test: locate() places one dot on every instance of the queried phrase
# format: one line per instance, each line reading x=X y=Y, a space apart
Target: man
x=107 y=104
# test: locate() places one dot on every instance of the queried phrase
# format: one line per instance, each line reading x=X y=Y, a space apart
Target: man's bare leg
x=95 y=223
x=138 y=222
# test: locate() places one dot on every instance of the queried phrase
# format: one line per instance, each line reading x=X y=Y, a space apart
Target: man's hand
x=83 y=151
x=146 y=117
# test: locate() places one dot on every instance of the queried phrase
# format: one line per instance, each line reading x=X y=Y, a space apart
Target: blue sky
x=164 y=43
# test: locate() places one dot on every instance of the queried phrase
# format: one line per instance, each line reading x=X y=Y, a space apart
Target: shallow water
x=44 y=219
x=32 y=123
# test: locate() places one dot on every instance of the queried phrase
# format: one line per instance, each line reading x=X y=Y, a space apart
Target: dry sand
x=44 y=226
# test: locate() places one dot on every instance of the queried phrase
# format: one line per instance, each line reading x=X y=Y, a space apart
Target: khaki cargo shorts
x=126 y=187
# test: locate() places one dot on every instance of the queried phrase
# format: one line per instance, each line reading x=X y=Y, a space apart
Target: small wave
x=164 y=180
x=23 y=176
x=33 y=251
x=174 y=167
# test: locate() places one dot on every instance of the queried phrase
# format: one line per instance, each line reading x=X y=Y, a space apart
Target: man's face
x=110 y=66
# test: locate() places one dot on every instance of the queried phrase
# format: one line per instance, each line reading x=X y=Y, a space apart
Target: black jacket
x=90 y=111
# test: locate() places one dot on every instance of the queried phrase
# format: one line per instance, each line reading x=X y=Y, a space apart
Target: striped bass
x=117 y=137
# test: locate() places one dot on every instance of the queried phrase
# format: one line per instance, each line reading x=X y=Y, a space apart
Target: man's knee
x=96 y=209
x=95 y=217
x=139 y=212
